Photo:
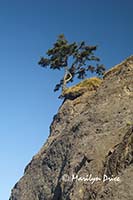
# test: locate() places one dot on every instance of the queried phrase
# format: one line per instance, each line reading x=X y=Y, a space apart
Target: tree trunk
x=66 y=79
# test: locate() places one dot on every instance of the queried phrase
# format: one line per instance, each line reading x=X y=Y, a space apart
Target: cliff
x=89 y=152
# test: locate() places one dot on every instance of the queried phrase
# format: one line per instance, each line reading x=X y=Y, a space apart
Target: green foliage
x=80 y=56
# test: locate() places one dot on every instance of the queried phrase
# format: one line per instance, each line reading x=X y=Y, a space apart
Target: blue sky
x=27 y=101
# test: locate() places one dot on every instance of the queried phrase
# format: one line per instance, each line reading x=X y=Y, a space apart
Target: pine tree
x=74 y=58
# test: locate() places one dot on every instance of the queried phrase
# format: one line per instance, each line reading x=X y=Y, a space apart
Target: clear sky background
x=27 y=101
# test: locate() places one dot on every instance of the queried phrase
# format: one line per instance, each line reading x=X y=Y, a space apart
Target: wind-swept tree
x=74 y=58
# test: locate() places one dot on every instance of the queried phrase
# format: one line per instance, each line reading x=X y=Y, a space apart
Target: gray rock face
x=89 y=153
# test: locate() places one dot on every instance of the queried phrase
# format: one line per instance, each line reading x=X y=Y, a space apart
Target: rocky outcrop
x=89 y=152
